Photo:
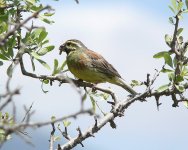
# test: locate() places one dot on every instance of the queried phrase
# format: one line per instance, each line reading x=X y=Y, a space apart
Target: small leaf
x=160 y=54
x=57 y=138
x=93 y=103
x=45 y=50
x=1 y=63
x=42 y=35
x=180 y=88
x=31 y=1
x=63 y=65
x=186 y=104
x=171 y=20
x=53 y=118
x=84 y=97
x=163 y=88
x=172 y=9
x=168 y=59
x=186 y=2
x=35 y=55
x=179 y=78
x=174 y=4
x=179 y=31
x=171 y=76
x=45 y=20
x=55 y=71
x=166 y=56
x=10 y=70
x=44 y=64
x=180 y=39
x=168 y=39
x=164 y=70
x=3 y=57
x=66 y=123
x=46 y=81
x=180 y=5
x=135 y=83
x=48 y=14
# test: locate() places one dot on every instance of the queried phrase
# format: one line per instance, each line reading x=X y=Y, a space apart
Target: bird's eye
x=68 y=44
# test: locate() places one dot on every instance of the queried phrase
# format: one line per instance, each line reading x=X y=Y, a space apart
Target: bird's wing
x=99 y=63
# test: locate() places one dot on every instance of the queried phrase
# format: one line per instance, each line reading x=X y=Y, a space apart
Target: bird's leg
x=94 y=88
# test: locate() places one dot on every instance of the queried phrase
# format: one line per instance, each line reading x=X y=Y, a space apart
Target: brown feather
x=101 y=64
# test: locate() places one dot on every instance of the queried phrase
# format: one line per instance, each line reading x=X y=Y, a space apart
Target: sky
x=127 y=33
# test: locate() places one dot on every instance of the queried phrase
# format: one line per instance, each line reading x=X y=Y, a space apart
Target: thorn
x=112 y=103
x=79 y=131
x=95 y=117
x=59 y=147
x=112 y=124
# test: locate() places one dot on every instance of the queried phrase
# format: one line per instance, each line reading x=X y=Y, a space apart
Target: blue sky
x=127 y=33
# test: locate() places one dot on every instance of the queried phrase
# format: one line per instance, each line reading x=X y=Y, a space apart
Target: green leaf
x=48 y=14
x=42 y=35
x=10 y=70
x=35 y=55
x=84 y=97
x=168 y=39
x=180 y=16
x=63 y=65
x=1 y=63
x=3 y=57
x=171 y=20
x=186 y=104
x=186 y=2
x=93 y=103
x=46 y=81
x=171 y=76
x=135 y=83
x=179 y=31
x=164 y=70
x=45 y=50
x=172 y=9
x=180 y=39
x=174 y=4
x=55 y=71
x=168 y=59
x=53 y=118
x=166 y=56
x=163 y=88
x=31 y=1
x=45 y=20
x=180 y=5
x=66 y=123
x=44 y=64
x=179 y=78
x=180 y=88
x=57 y=138
x=160 y=54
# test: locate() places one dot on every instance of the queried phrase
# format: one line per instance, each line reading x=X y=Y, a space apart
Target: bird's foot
x=94 y=88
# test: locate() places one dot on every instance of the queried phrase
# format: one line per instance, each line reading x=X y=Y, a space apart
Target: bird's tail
x=129 y=89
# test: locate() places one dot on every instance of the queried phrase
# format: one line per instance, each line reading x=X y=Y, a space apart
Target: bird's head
x=71 y=45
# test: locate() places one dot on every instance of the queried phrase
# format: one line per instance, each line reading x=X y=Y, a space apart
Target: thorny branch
x=118 y=107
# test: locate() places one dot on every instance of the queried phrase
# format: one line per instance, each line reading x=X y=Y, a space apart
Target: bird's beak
x=61 y=49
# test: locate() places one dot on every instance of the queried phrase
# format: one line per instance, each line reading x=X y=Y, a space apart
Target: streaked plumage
x=91 y=66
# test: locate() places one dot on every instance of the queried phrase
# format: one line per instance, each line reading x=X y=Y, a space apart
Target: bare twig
x=52 y=137
x=40 y=124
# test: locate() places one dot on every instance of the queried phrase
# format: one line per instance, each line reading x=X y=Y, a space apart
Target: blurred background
x=128 y=34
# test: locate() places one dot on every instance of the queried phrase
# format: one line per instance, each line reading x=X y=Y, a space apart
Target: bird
x=90 y=66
